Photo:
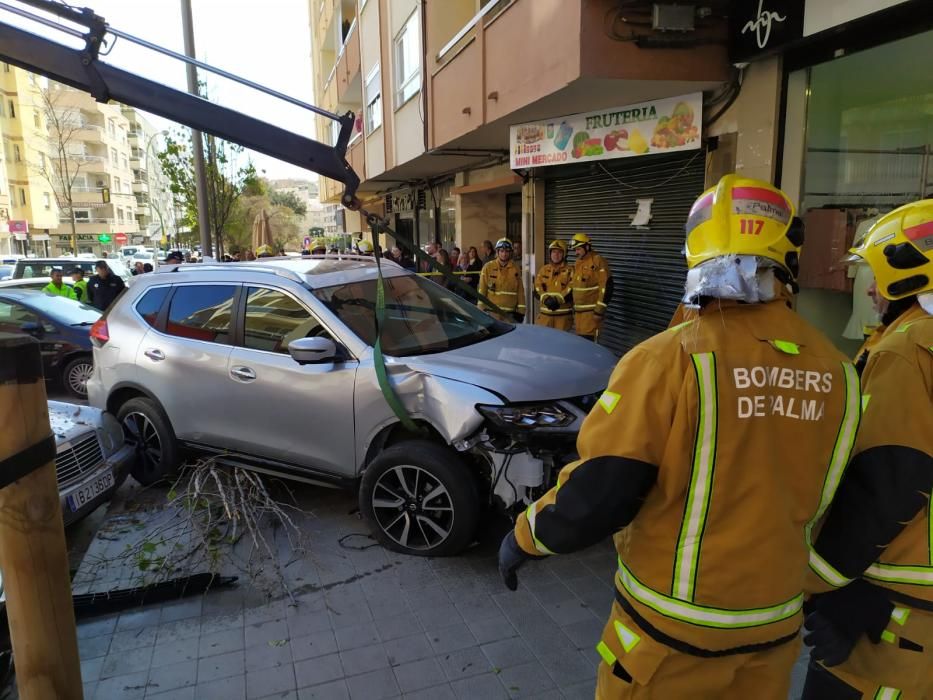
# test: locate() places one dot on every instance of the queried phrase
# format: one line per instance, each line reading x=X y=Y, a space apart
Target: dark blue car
x=62 y=327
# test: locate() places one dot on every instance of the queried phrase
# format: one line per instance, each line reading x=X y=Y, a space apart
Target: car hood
x=69 y=420
x=531 y=363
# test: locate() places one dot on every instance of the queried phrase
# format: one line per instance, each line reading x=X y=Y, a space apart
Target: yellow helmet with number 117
x=579 y=239
x=741 y=216
x=899 y=249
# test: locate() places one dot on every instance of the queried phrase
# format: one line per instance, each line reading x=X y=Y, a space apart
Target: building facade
x=155 y=209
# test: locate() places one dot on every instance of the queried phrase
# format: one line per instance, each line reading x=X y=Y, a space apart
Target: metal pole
x=204 y=222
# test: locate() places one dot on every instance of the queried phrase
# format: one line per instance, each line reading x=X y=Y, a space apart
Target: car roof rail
x=229 y=267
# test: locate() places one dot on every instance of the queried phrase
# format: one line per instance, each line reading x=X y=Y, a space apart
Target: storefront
x=626 y=177
x=855 y=136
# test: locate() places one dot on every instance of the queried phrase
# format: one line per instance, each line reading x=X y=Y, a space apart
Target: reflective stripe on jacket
x=555 y=281
x=718 y=443
x=502 y=285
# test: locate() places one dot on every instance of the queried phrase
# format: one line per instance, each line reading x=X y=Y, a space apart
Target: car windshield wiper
x=84 y=323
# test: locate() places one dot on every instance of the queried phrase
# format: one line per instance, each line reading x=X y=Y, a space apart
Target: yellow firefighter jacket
x=720 y=441
x=880 y=523
x=555 y=281
x=502 y=285
x=871 y=340
x=591 y=276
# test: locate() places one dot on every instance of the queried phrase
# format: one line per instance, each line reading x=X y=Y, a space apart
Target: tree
x=288 y=199
x=63 y=165
x=227 y=180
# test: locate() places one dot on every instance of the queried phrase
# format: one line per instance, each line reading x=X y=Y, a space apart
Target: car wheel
x=149 y=432
x=76 y=375
x=419 y=498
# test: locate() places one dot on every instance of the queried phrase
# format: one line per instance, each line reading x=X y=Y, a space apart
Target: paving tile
x=397 y=626
x=417 y=675
x=89 y=690
x=313 y=645
x=177 y=630
x=176 y=694
x=126 y=687
x=285 y=695
x=230 y=688
x=568 y=611
x=95 y=628
x=407 y=649
x=309 y=621
x=221 y=666
x=438 y=617
x=464 y=663
x=437 y=692
x=335 y=690
x=319 y=670
x=180 y=675
x=220 y=642
x=182 y=610
x=135 y=619
x=569 y=668
x=119 y=663
x=357 y=615
x=264 y=632
x=264 y=613
x=428 y=597
x=269 y=680
x=374 y=685
x=486 y=686
x=508 y=652
x=364 y=659
x=580 y=691
x=356 y=636
x=452 y=638
x=477 y=608
x=134 y=639
x=90 y=669
x=491 y=629
x=175 y=652
x=221 y=623
x=267 y=656
x=525 y=680
x=93 y=647
x=586 y=633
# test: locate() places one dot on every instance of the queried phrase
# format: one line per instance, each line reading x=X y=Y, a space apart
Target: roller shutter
x=648 y=267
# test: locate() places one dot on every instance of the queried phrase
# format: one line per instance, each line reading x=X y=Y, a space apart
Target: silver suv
x=270 y=365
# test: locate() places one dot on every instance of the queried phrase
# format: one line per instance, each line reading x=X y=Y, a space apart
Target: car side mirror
x=33 y=328
x=309 y=351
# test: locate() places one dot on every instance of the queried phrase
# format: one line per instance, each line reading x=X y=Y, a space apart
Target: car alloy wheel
x=77 y=376
x=141 y=434
x=413 y=507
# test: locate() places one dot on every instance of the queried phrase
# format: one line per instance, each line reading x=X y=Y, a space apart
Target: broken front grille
x=83 y=455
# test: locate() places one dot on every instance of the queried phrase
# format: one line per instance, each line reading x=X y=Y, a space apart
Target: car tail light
x=100 y=332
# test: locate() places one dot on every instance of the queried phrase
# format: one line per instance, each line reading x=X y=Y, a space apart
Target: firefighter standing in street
x=874 y=632
x=716 y=443
x=592 y=287
x=500 y=281
x=552 y=287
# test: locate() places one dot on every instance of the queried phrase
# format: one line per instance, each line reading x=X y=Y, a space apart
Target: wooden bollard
x=33 y=556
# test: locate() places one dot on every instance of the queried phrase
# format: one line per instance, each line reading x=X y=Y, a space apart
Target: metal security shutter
x=648 y=267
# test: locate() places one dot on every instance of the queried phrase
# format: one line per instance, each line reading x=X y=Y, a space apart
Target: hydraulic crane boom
x=85 y=71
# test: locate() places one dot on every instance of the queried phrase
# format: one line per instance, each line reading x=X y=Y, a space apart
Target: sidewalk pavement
x=369 y=624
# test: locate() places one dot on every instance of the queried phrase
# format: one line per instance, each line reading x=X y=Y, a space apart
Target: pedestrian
x=444 y=262
x=715 y=445
x=500 y=281
x=365 y=247
x=318 y=247
x=455 y=258
x=592 y=288
x=552 y=287
x=250 y=255
x=137 y=268
x=517 y=252
x=57 y=285
x=80 y=284
x=474 y=265
x=489 y=254
x=147 y=267
x=871 y=635
x=104 y=287
x=174 y=258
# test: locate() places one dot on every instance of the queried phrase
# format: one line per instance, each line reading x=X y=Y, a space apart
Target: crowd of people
x=99 y=291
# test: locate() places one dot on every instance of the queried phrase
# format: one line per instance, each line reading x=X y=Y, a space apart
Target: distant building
x=155 y=209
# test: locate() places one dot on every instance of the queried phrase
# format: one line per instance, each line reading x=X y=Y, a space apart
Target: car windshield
x=6 y=271
x=421 y=317
x=67 y=312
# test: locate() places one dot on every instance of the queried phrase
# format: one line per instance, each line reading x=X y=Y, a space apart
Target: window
x=113 y=156
x=126 y=163
x=408 y=60
x=82 y=214
x=12 y=109
x=274 y=319
x=42 y=161
x=22 y=196
x=13 y=316
x=17 y=154
x=201 y=312
x=47 y=201
x=373 y=100
x=151 y=302
x=36 y=120
x=117 y=185
x=111 y=127
x=119 y=214
x=6 y=67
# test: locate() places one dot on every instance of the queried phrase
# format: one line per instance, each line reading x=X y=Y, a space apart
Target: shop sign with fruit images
x=660 y=126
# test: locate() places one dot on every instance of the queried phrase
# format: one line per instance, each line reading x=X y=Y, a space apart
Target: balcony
x=347 y=69
x=140 y=186
x=98 y=226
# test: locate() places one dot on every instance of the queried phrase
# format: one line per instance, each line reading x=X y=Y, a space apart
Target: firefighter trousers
x=646 y=669
x=900 y=667
x=562 y=322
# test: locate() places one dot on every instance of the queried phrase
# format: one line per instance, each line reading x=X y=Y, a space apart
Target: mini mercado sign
x=659 y=126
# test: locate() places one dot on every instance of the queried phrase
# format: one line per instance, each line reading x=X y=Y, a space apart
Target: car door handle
x=244 y=374
x=154 y=354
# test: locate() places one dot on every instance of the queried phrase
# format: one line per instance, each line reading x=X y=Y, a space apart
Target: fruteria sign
x=660 y=126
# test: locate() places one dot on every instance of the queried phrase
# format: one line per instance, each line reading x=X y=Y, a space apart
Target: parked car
x=61 y=326
x=6 y=271
x=270 y=365
x=42 y=267
x=92 y=458
x=31 y=282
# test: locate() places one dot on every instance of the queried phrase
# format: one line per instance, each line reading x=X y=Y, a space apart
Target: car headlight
x=528 y=417
x=111 y=433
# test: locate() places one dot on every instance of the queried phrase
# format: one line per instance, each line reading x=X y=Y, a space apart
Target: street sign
x=120 y=238
x=104 y=238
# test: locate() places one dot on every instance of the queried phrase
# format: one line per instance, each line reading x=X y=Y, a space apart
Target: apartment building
x=99 y=150
x=155 y=208
x=28 y=210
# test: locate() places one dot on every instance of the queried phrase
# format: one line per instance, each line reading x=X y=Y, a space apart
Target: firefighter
x=364 y=247
x=552 y=287
x=592 y=287
x=318 y=247
x=500 y=281
x=711 y=447
x=873 y=632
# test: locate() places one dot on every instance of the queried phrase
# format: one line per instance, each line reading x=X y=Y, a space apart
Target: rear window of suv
x=201 y=312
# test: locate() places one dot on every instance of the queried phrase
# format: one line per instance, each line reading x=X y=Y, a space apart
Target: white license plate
x=83 y=495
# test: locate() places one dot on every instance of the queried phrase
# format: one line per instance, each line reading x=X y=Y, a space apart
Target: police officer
x=715 y=445
x=80 y=284
x=874 y=631
x=57 y=286
x=592 y=287
x=552 y=287
x=104 y=287
x=500 y=281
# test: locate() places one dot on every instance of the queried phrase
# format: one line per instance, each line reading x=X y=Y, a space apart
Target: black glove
x=511 y=558
x=552 y=303
x=841 y=617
